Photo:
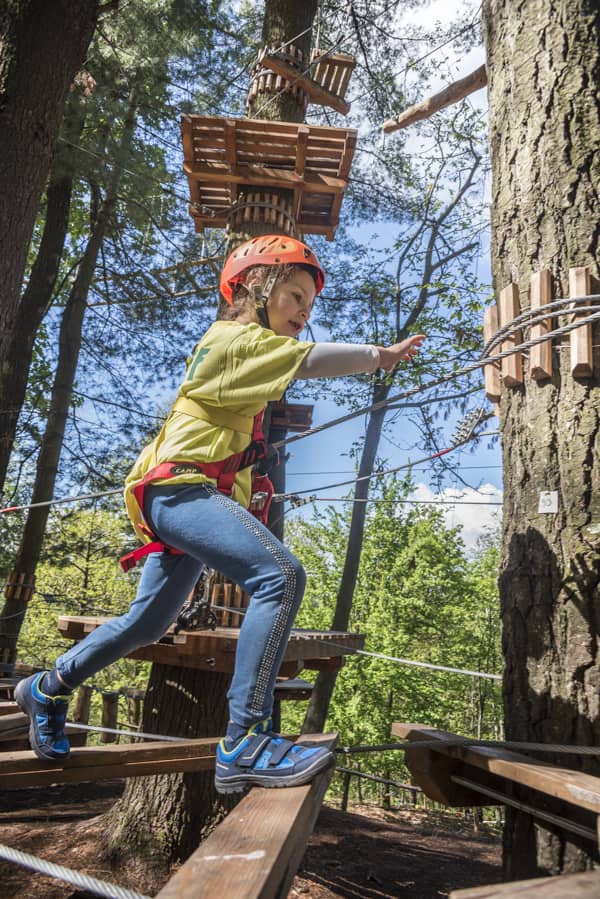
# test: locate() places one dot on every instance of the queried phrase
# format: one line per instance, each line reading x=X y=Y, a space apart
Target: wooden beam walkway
x=255 y=852
x=558 y=798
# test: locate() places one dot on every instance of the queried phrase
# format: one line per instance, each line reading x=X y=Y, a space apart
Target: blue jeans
x=215 y=530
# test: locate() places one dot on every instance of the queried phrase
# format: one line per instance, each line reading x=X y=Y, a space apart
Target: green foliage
x=417 y=597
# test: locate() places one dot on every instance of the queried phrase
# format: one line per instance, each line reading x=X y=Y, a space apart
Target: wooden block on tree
x=583 y=885
x=317 y=93
x=582 y=365
x=256 y=850
x=491 y=372
x=540 y=358
x=511 y=366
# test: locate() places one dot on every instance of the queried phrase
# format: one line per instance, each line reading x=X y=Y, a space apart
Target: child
x=188 y=495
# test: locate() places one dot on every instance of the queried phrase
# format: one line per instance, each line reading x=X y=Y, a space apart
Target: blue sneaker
x=47 y=715
x=264 y=759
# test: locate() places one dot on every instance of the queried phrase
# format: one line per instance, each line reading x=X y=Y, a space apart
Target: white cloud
x=470 y=510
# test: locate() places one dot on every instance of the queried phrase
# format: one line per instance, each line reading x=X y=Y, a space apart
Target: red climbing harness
x=223 y=471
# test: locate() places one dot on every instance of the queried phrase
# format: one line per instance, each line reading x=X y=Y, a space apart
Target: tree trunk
x=42 y=46
x=37 y=296
x=50 y=450
x=160 y=820
x=186 y=806
x=543 y=73
x=316 y=714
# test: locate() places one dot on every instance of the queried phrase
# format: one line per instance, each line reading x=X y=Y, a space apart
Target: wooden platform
x=223 y=157
x=325 y=80
x=558 y=797
x=215 y=650
x=255 y=852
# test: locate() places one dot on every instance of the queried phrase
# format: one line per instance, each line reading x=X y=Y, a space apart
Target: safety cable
x=98 y=887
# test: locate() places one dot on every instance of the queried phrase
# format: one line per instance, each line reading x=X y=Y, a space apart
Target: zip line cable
x=484 y=360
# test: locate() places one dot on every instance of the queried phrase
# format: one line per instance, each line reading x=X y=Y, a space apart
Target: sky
x=317 y=460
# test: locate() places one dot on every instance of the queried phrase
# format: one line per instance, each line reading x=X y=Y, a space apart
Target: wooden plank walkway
x=89 y=763
x=255 y=852
x=581 y=790
x=584 y=885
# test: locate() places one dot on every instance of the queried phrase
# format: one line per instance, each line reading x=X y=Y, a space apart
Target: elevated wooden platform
x=215 y=650
x=255 y=852
x=559 y=798
x=225 y=158
x=325 y=80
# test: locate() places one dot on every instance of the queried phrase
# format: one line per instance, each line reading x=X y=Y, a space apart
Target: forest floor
x=365 y=853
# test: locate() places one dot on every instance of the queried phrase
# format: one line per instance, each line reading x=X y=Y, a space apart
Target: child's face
x=290 y=304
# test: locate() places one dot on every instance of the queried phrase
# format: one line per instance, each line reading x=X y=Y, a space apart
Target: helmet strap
x=261 y=296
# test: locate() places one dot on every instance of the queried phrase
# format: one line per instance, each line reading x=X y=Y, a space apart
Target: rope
x=374 y=655
x=466 y=742
x=76 y=725
x=99 y=887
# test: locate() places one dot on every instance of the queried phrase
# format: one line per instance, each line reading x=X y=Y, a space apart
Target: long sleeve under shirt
x=328 y=360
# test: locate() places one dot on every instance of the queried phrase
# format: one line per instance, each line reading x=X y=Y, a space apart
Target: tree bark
x=42 y=45
x=71 y=328
x=160 y=820
x=37 y=296
x=184 y=808
x=543 y=71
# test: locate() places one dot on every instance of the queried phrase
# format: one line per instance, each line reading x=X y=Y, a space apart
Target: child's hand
x=390 y=356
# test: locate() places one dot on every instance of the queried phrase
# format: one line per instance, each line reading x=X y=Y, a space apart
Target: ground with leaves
x=363 y=854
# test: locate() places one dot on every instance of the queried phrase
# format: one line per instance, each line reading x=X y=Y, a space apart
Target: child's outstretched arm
x=329 y=360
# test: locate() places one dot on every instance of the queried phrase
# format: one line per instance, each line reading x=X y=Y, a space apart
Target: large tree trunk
x=37 y=296
x=156 y=822
x=543 y=74
x=42 y=45
x=62 y=389
x=187 y=804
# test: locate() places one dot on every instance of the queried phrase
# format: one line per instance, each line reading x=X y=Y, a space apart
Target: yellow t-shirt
x=235 y=368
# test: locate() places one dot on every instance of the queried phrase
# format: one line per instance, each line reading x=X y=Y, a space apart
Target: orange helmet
x=271 y=249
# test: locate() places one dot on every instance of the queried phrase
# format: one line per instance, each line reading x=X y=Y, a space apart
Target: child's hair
x=259 y=274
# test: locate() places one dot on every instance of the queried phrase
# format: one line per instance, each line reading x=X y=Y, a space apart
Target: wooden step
x=256 y=850
x=90 y=763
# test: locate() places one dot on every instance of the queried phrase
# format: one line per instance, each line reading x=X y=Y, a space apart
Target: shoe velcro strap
x=280 y=752
x=257 y=743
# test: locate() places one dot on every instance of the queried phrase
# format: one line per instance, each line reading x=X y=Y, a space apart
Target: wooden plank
x=303 y=133
x=264 y=176
x=491 y=376
x=257 y=849
x=583 y=885
x=230 y=147
x=8 y=708
x=540 y=356
x=579 y=789
x=582 y=365
x=24 y=769
x=512 y=366
x=316 y=92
